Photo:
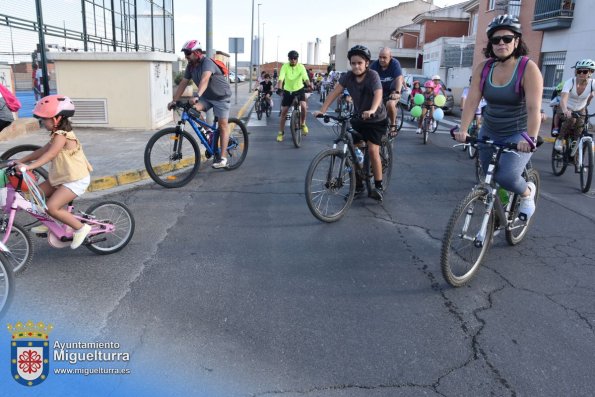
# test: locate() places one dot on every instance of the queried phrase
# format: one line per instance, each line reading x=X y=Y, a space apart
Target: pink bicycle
x=112 y=223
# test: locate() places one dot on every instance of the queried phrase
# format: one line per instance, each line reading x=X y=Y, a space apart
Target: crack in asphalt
x=343 y=387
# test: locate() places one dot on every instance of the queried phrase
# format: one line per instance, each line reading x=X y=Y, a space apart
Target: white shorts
x=80 y=186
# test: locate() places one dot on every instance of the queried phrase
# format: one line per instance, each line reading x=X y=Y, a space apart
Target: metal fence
x=82 y=25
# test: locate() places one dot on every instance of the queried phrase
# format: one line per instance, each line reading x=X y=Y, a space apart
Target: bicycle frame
x=199 y=128
x=16 y=202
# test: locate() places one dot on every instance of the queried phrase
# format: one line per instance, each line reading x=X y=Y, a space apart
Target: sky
x=287 y=25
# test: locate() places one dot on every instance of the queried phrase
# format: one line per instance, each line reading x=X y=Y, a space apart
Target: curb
x=133 y=176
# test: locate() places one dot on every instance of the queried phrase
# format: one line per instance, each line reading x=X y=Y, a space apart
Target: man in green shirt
x=292 y=79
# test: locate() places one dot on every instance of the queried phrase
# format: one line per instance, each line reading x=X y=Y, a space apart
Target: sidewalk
x=115 y=154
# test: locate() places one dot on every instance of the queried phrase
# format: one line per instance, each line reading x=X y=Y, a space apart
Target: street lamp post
x=258 y=55
x=251 y=51
x=262 y=61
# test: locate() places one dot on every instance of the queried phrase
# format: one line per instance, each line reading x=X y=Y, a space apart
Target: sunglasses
x=293 y=58
x=583 y=71
x=506 y=39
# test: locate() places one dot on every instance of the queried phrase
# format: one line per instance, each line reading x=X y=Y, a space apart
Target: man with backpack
x=210 y=76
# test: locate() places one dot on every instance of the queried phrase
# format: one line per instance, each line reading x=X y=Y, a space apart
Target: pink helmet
x=192 y=45
x=52 y=106
x=429 y=84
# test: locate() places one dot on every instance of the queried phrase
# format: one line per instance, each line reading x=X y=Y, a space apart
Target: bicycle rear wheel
x=516 y=230
x=23 y=150
x=330 y=189
x=462 y=253
x=296 y=128
x=6 y=283
x=237 y=145
x=400 y=117
x=20 y=246
x=116 y=214
x=172 y=157
x=586 y=170
x=558 y=161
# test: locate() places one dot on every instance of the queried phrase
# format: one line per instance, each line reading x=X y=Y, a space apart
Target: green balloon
x=416 y=110
x=418 y=99
x=440 y=100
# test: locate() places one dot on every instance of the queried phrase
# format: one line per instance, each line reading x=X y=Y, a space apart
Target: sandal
x=393 y=131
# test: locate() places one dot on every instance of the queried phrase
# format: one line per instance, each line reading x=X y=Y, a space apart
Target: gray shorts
x=220 y=108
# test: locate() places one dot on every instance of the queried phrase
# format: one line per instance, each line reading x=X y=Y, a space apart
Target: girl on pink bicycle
x=69 y=174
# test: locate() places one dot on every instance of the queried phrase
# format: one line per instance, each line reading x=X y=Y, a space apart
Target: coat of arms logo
x=29 y=352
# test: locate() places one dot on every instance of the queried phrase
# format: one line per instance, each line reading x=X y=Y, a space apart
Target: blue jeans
x=511 y=165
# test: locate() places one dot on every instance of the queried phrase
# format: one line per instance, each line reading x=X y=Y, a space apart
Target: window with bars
x=552 y=70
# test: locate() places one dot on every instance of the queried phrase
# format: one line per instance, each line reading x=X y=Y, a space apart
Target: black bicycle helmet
x=293 y=54
x=505 y=21
x=359 y=50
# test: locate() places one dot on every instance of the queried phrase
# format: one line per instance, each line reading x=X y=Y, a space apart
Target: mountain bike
x=486 y=209
x=332 y=176
x=6 y=280
x=578 y=152
x=262 y=106
x=112 y=223
x=172 y=155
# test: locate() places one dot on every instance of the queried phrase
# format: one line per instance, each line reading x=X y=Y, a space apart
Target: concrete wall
x=374 y=32
x=136 y=86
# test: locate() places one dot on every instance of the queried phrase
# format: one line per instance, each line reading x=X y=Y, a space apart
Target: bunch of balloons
x=419 y=99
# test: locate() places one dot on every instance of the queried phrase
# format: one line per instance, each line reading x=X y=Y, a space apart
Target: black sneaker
x=377 y=194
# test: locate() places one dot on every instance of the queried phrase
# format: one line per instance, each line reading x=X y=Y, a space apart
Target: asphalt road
x=230 y=287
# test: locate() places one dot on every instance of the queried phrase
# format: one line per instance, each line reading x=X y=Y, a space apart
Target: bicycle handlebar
x=505 y=145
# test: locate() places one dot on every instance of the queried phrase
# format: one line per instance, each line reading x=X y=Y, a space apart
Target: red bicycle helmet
x=53 y=106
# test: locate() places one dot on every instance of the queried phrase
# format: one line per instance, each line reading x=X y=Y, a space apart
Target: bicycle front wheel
x=21 y=248
x=516 y=229
x=558 y=162
x=586 y=170
x=330 y=185
x=462 y=250
x=425 y=130
x=6 y=283
x=172 y=157
x=296 y=129
x=237 y=145
x=111 y=213
x=23 y=150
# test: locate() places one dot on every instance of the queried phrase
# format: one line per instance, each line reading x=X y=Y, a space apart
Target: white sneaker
x=558 y=146
x=221 y=164
x=40 y=229
x=79 y=236
x=527 y=205
x=434 y=124
x=418 y=131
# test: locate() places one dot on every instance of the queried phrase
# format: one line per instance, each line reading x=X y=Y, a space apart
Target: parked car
x=232 y=77
x=406 y=92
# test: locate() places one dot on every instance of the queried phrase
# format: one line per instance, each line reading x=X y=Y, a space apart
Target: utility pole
x=209 y=35
x=251 y=50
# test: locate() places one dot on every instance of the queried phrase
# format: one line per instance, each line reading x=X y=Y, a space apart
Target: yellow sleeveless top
x=70 y=164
